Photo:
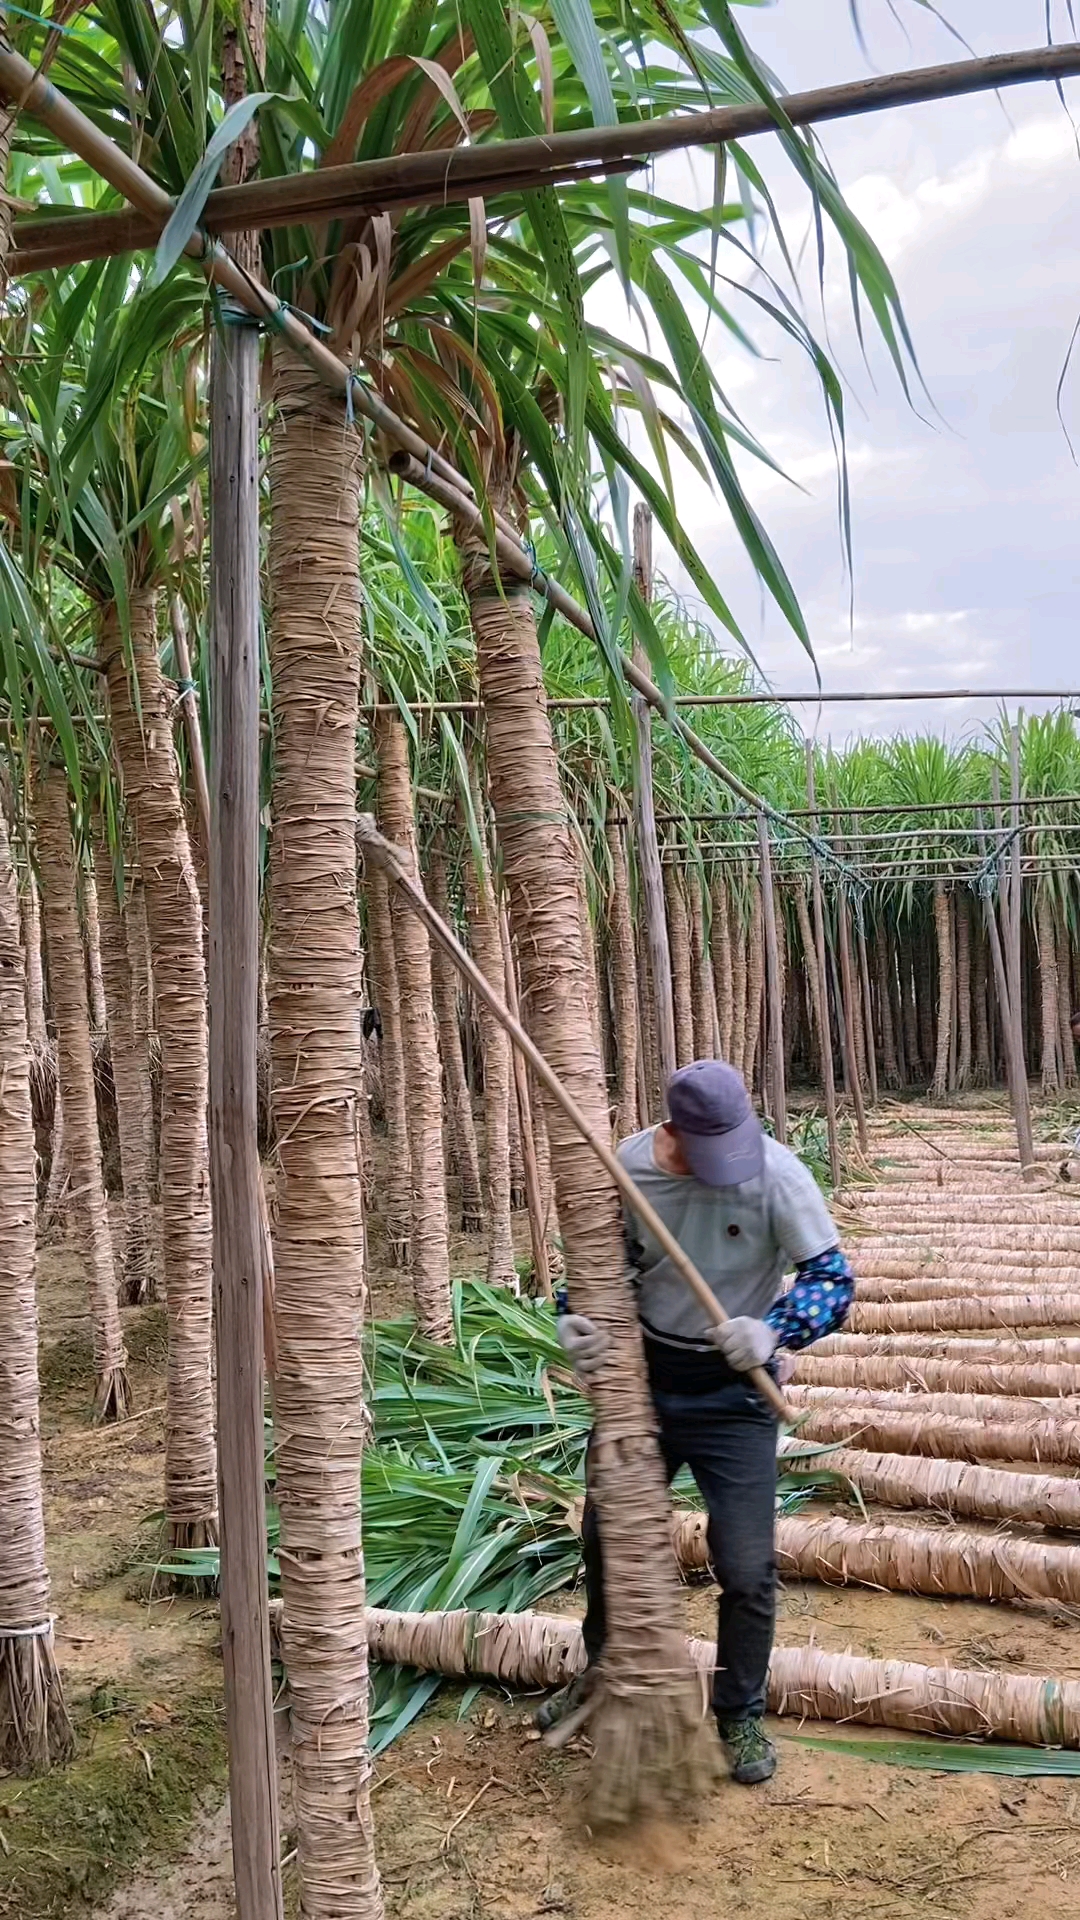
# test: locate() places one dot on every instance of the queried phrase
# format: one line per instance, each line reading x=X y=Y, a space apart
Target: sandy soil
x=476 y=1820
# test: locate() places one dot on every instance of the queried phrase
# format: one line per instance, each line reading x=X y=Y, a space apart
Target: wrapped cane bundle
x=961 y=1489
x=939 y=1376
x=1058 y=1352
x=973 y=1311
x=541 y=1650
x=914 y=1428
x=932 y=1560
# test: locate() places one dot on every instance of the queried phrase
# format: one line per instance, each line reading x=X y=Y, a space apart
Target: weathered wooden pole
x=774 y=1005
x=239 y=1221
x=828 y=1077
x=646 y=844
x=234 y=1153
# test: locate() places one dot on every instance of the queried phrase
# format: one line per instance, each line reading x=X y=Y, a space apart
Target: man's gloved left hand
x=744 y=1342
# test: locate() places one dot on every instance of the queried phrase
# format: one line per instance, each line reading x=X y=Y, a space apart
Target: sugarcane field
x=539 y=960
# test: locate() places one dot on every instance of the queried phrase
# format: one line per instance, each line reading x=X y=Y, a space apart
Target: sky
x=966 y=507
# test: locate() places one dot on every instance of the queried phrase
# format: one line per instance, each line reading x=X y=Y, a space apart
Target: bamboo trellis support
x=542 y=1650
x=383 y=855
x=818 y=961
x=940 y=1376
x=417 y=178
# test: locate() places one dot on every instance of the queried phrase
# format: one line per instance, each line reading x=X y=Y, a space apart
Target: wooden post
x=645 y=838
x=233 y=850
x=534 y=1199
x=773 y=1003
x=828 y=1078
x=868 y=1013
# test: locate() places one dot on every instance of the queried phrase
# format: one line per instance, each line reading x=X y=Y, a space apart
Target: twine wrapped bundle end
x=112 y=1396
x=35 y=1732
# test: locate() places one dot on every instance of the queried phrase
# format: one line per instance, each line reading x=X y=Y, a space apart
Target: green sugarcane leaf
x=188 y=210
x=947 y=1756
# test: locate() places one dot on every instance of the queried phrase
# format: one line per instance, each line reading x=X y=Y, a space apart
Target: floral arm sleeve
x=817 y=1303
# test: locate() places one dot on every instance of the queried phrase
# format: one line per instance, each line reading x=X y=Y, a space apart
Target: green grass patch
x=130 y=1794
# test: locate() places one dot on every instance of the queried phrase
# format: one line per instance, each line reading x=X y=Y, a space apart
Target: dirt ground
x=476 y=1820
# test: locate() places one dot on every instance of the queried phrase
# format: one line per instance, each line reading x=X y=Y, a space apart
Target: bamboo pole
x=189 y=707
x=534 y=1198
x=373 y=847
x=1018 y=1092
x=847 y=1005
x=828 y=1078
x=645 y=840
x=773 y=998
x=417 y=178
x=868 y=1013
x=1016 y=927
x=235 y=1176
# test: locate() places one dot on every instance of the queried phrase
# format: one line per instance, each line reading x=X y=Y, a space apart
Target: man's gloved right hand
x=585 y=1345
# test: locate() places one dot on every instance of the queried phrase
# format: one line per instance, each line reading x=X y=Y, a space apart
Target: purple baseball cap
x=718 y=1130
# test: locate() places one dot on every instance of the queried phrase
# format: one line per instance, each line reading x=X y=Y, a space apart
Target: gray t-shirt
x=741 y=1239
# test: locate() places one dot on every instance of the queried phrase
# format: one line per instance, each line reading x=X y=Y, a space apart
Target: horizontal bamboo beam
x=438 y=177
x=587 y=702
x=898 y=807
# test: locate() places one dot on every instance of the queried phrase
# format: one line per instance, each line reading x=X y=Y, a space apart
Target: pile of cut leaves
x=473 y=1483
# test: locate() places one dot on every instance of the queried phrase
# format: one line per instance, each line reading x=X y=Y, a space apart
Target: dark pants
x=727 y=1438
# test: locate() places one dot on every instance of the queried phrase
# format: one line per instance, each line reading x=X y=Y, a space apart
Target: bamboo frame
x=412 y=179
x=828 y=1077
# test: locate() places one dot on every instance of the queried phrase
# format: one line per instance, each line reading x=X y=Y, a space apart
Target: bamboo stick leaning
x=381 y=854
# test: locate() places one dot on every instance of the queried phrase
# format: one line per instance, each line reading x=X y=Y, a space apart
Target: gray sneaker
x=750 y=1753
x=561 y=1705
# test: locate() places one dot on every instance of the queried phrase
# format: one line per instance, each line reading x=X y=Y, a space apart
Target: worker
x=746 y=1211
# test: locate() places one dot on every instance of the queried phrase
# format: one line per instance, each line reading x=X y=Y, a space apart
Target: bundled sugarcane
x=942 y=1426
x=959 y=1488
x=928 y=1560
x=1062 y=1351
x=537 y=1650
x=974 y=1311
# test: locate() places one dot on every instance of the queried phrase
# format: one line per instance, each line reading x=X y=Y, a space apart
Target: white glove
x=744 y=1342
x=585 y=1345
